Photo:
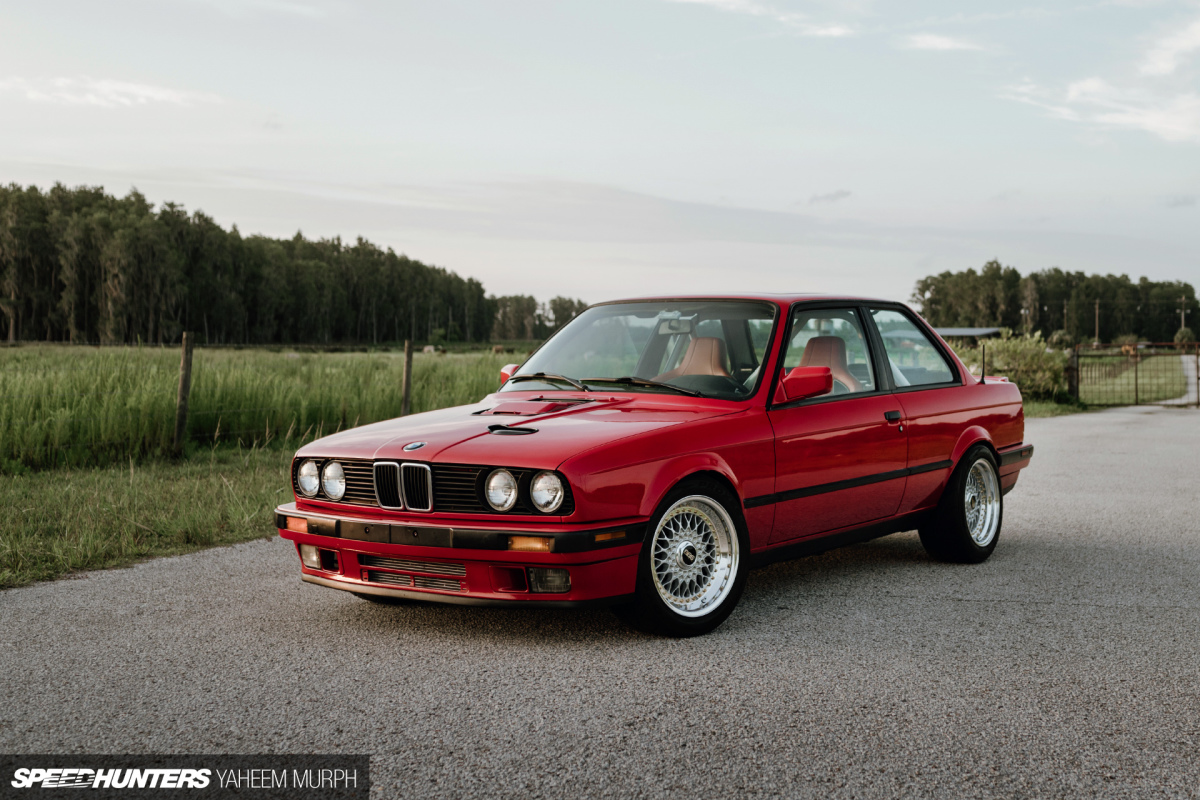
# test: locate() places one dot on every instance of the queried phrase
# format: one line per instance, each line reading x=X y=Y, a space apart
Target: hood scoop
x=525 y=408
x=505 y=430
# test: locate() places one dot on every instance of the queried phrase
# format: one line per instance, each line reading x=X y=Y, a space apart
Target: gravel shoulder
x=1068 y=665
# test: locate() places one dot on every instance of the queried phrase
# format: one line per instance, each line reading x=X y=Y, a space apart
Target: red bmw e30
x=652 y=450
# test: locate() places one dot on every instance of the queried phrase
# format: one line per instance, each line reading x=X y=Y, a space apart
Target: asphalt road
x=1066 y=666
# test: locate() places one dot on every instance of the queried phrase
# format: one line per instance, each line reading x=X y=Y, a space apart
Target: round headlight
x=501 y=490
x=308 y=479
x=546 y=491
x=333 y=480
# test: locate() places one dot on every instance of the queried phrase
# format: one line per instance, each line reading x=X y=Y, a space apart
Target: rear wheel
x=692 y=568
x=966 y=525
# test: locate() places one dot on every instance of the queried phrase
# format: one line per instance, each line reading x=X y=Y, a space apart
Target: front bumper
x=398 y=557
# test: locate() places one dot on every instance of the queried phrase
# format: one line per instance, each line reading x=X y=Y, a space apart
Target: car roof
x=782 y=298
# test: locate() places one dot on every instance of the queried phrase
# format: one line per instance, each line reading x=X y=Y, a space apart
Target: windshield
x=711 y=348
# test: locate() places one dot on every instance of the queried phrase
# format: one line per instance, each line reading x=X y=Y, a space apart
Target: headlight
x=546 y=491
x=333 y=481
x=501 y=490
x=308 y=479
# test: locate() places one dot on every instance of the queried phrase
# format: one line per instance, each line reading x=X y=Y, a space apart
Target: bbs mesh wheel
x=692 y=569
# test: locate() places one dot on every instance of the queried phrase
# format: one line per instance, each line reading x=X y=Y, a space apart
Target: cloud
x=832 y=197
x=85 y=91
x=1181 y=201
x=1166 y=56
x=1175 y=118
x=801 y=23
x=934 y=41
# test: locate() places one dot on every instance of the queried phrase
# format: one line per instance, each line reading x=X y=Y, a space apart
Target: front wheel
x=966 y=525
x=692 y=568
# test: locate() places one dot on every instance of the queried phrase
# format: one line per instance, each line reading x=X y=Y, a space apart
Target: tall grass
x=68 y=406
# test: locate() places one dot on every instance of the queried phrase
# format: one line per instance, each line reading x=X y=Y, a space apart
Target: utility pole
x=1182 y=312
x=1097 y=320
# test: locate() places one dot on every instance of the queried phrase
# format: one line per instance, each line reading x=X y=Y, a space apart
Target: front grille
x=457 y=488
x=410 y=565
x=387 y=484
x=388 y=577
x=447 y=488
x=445 y=584
x=416 y=479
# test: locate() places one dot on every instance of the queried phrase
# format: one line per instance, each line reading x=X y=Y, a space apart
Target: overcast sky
x=604 y=148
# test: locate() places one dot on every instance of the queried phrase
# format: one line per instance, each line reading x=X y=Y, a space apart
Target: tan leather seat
x=830 y=351
x=705 y=356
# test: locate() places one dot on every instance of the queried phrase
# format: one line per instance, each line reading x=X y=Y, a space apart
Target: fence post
x=1136 y=360
x=406 y=403
x=1073 y=374
x=185 y=388
x=1198 y=375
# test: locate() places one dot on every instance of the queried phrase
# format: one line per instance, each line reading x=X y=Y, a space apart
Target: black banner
x=255 y=776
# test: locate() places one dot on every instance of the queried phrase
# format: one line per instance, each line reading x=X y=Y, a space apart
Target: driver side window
x=832 y=338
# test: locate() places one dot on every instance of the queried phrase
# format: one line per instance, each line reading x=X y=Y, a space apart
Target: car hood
x=562 y=428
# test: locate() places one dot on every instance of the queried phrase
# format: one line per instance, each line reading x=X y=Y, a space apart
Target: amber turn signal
x=610 y=536
x=530 y=544
x=297 y=524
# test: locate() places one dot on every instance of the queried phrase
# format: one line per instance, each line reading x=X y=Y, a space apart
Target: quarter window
x=832 y=337
x=912 y=357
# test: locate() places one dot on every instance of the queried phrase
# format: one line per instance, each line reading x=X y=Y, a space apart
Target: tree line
x=1056 y=303
x=80 y=265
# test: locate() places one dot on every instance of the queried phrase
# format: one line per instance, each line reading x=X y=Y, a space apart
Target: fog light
x=310 y=556
x=297 y=524
x=530 y=544
x=549 y=581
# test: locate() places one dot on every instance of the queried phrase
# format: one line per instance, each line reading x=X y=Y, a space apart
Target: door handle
x=891 y=416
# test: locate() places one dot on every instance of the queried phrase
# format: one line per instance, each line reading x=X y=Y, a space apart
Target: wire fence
x=78 y=406
x=1137 y=374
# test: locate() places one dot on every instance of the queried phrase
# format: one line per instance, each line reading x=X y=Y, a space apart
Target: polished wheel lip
x=981 y=502
x=694 y=587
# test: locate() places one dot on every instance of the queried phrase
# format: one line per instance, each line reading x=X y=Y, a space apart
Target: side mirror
x=804 y=382
x=507 y=371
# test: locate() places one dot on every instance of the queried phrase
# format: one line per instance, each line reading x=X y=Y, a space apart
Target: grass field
x=62 y=521
x=65 y=406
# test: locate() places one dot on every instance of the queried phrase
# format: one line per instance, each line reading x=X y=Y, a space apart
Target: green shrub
x=1184 y=336
x=1061 y=340
x=1126 y=339
x=1039 y=371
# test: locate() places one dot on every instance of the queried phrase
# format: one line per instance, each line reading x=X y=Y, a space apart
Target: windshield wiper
x=645 y=382
x=549 y=376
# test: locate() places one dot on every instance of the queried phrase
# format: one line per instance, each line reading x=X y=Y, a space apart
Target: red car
x=652 y=451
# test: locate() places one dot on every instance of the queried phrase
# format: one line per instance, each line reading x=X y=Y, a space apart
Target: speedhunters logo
x=260 y=776
x=63 y=778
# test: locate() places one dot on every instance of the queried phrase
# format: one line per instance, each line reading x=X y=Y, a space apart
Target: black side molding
x=837 y=486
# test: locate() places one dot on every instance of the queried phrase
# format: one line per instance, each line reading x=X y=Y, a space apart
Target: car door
x=840 y=458
x=928 y=389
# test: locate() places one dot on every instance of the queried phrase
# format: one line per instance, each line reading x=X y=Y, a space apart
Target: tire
x=694 y=563
x=966 y=525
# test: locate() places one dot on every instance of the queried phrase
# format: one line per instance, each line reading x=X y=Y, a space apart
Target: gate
x=1142 y=374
